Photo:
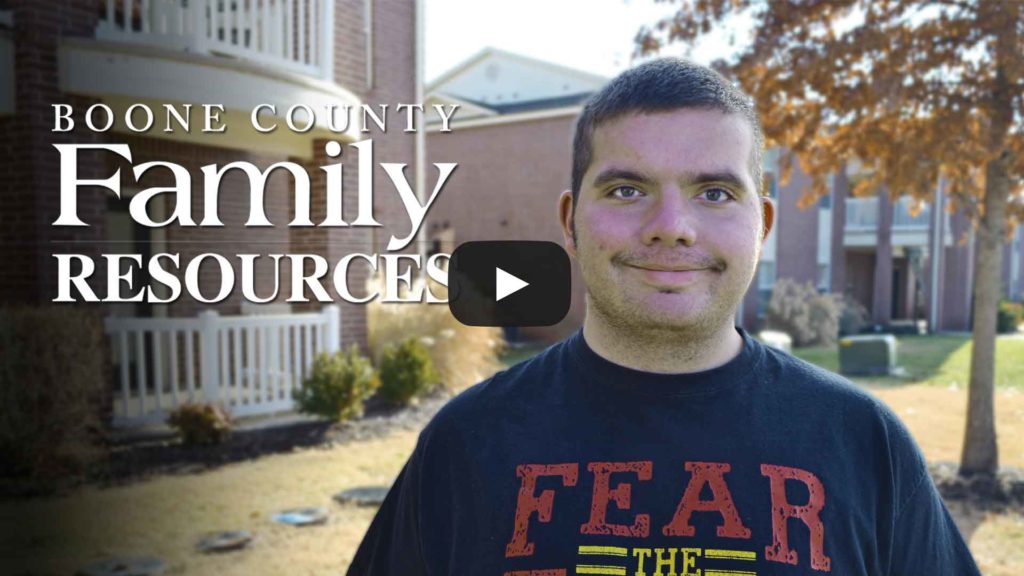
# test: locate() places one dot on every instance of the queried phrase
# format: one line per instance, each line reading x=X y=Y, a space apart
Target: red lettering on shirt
x=603 y=493
x=528 y=503
x=780 y=551
x=712 y=474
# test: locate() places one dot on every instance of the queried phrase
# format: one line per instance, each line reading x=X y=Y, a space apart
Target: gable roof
x=507 y=82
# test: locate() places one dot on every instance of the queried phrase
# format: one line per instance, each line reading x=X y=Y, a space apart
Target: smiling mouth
x=657 y=268
x=668 y=277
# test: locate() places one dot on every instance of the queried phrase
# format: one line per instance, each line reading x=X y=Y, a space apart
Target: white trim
x=489 y=52
x=510 y=118
x=465 y=105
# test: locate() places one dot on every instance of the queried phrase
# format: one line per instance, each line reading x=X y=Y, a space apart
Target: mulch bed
x=1002 y=492
x=133 y=461
x=144 y=457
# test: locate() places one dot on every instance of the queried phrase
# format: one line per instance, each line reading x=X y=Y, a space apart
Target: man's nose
x=672 y=221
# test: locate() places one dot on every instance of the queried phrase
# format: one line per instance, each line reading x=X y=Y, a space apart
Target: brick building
x=512 y=142
x=167 y=53
x=82 y=52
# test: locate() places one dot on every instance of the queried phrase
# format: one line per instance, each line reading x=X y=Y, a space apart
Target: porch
x=250 y=364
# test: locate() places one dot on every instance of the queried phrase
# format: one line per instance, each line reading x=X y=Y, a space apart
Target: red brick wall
x=29 y=189
x=506 y=187
x=796 y=253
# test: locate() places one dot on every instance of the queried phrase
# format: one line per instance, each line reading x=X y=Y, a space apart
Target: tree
x=913 y=89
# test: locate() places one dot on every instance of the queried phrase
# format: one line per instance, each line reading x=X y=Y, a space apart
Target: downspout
x=421 y=133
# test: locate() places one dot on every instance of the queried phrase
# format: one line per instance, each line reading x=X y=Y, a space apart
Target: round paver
x=302 y=516
x=363 y=495
x=131 y=566
x=225 y=541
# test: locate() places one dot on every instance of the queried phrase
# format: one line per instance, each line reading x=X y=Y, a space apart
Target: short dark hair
x=661 y=85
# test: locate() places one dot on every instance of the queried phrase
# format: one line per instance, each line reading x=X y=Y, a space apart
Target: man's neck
x=661 y=350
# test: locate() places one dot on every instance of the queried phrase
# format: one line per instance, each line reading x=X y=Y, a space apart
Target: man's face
x=668 y=221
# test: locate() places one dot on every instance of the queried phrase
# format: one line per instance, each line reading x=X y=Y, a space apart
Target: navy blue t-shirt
x=570 y=464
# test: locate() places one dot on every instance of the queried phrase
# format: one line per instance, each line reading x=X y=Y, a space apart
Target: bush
x=338 y=385
x=1010 y=316
x=809 y=317
x=853 y=318
x=406 y=371
x=201 y=424
x=462 y=355
x=54 y=392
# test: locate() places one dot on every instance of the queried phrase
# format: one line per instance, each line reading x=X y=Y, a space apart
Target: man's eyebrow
x=727 y=177
x=612 y=174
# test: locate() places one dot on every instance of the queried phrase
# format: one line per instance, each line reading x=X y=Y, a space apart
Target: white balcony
x=293 y=35
x=239 y=54
x=909 y=228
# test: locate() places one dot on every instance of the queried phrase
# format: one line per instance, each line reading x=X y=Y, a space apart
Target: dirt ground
x=165 y=515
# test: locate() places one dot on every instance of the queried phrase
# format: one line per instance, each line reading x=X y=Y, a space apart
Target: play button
x=509 y=283
x=506 y=284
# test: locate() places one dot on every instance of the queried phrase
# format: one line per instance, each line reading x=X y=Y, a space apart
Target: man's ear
x=767 y=217
x=565 y=219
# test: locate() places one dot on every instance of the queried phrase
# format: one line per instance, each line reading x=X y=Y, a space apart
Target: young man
x=661 y=439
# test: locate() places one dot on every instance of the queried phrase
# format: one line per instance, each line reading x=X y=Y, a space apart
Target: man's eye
x=626 y=193
x=717 y=195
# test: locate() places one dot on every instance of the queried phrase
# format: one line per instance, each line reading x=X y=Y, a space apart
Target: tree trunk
x=980 y=452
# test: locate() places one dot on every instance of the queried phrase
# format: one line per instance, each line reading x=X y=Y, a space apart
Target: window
x=765 y=275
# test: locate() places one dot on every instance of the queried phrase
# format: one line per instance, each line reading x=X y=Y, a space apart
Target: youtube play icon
x=509 y=283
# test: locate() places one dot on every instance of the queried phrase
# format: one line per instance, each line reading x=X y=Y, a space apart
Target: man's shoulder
x=823 y=390
x=829 y=393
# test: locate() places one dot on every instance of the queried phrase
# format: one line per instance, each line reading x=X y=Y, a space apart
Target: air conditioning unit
x=868 y=355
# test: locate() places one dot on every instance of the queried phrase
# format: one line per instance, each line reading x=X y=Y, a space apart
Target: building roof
x=510 y=83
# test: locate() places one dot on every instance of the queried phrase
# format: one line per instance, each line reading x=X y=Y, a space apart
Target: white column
x=937 y=254
x=327 y=40
x=209 y=365
x=332 y=313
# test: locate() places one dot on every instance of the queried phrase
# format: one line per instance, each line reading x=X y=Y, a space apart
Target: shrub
x=201 y=424
x=462 y=355
x=338 y=385
x=853 y=318
x=809 y=317
x=1010 y=316
x=406 y=371
x=54 y=390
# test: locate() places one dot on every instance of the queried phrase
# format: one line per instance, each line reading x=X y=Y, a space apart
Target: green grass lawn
x=941 y=360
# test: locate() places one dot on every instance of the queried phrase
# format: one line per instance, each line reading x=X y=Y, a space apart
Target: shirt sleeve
x=925 y=538
x=392 y=544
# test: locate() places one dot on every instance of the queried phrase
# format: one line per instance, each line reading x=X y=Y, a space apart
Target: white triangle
x=506 y=284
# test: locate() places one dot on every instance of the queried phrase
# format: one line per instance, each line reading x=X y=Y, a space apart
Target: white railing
x=297 y=35
x=247 y=364
x=862 y=214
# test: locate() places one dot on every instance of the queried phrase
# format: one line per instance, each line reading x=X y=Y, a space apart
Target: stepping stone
x=302 y=516
x=129 y=566
x=225 y=541
x=363 y=495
